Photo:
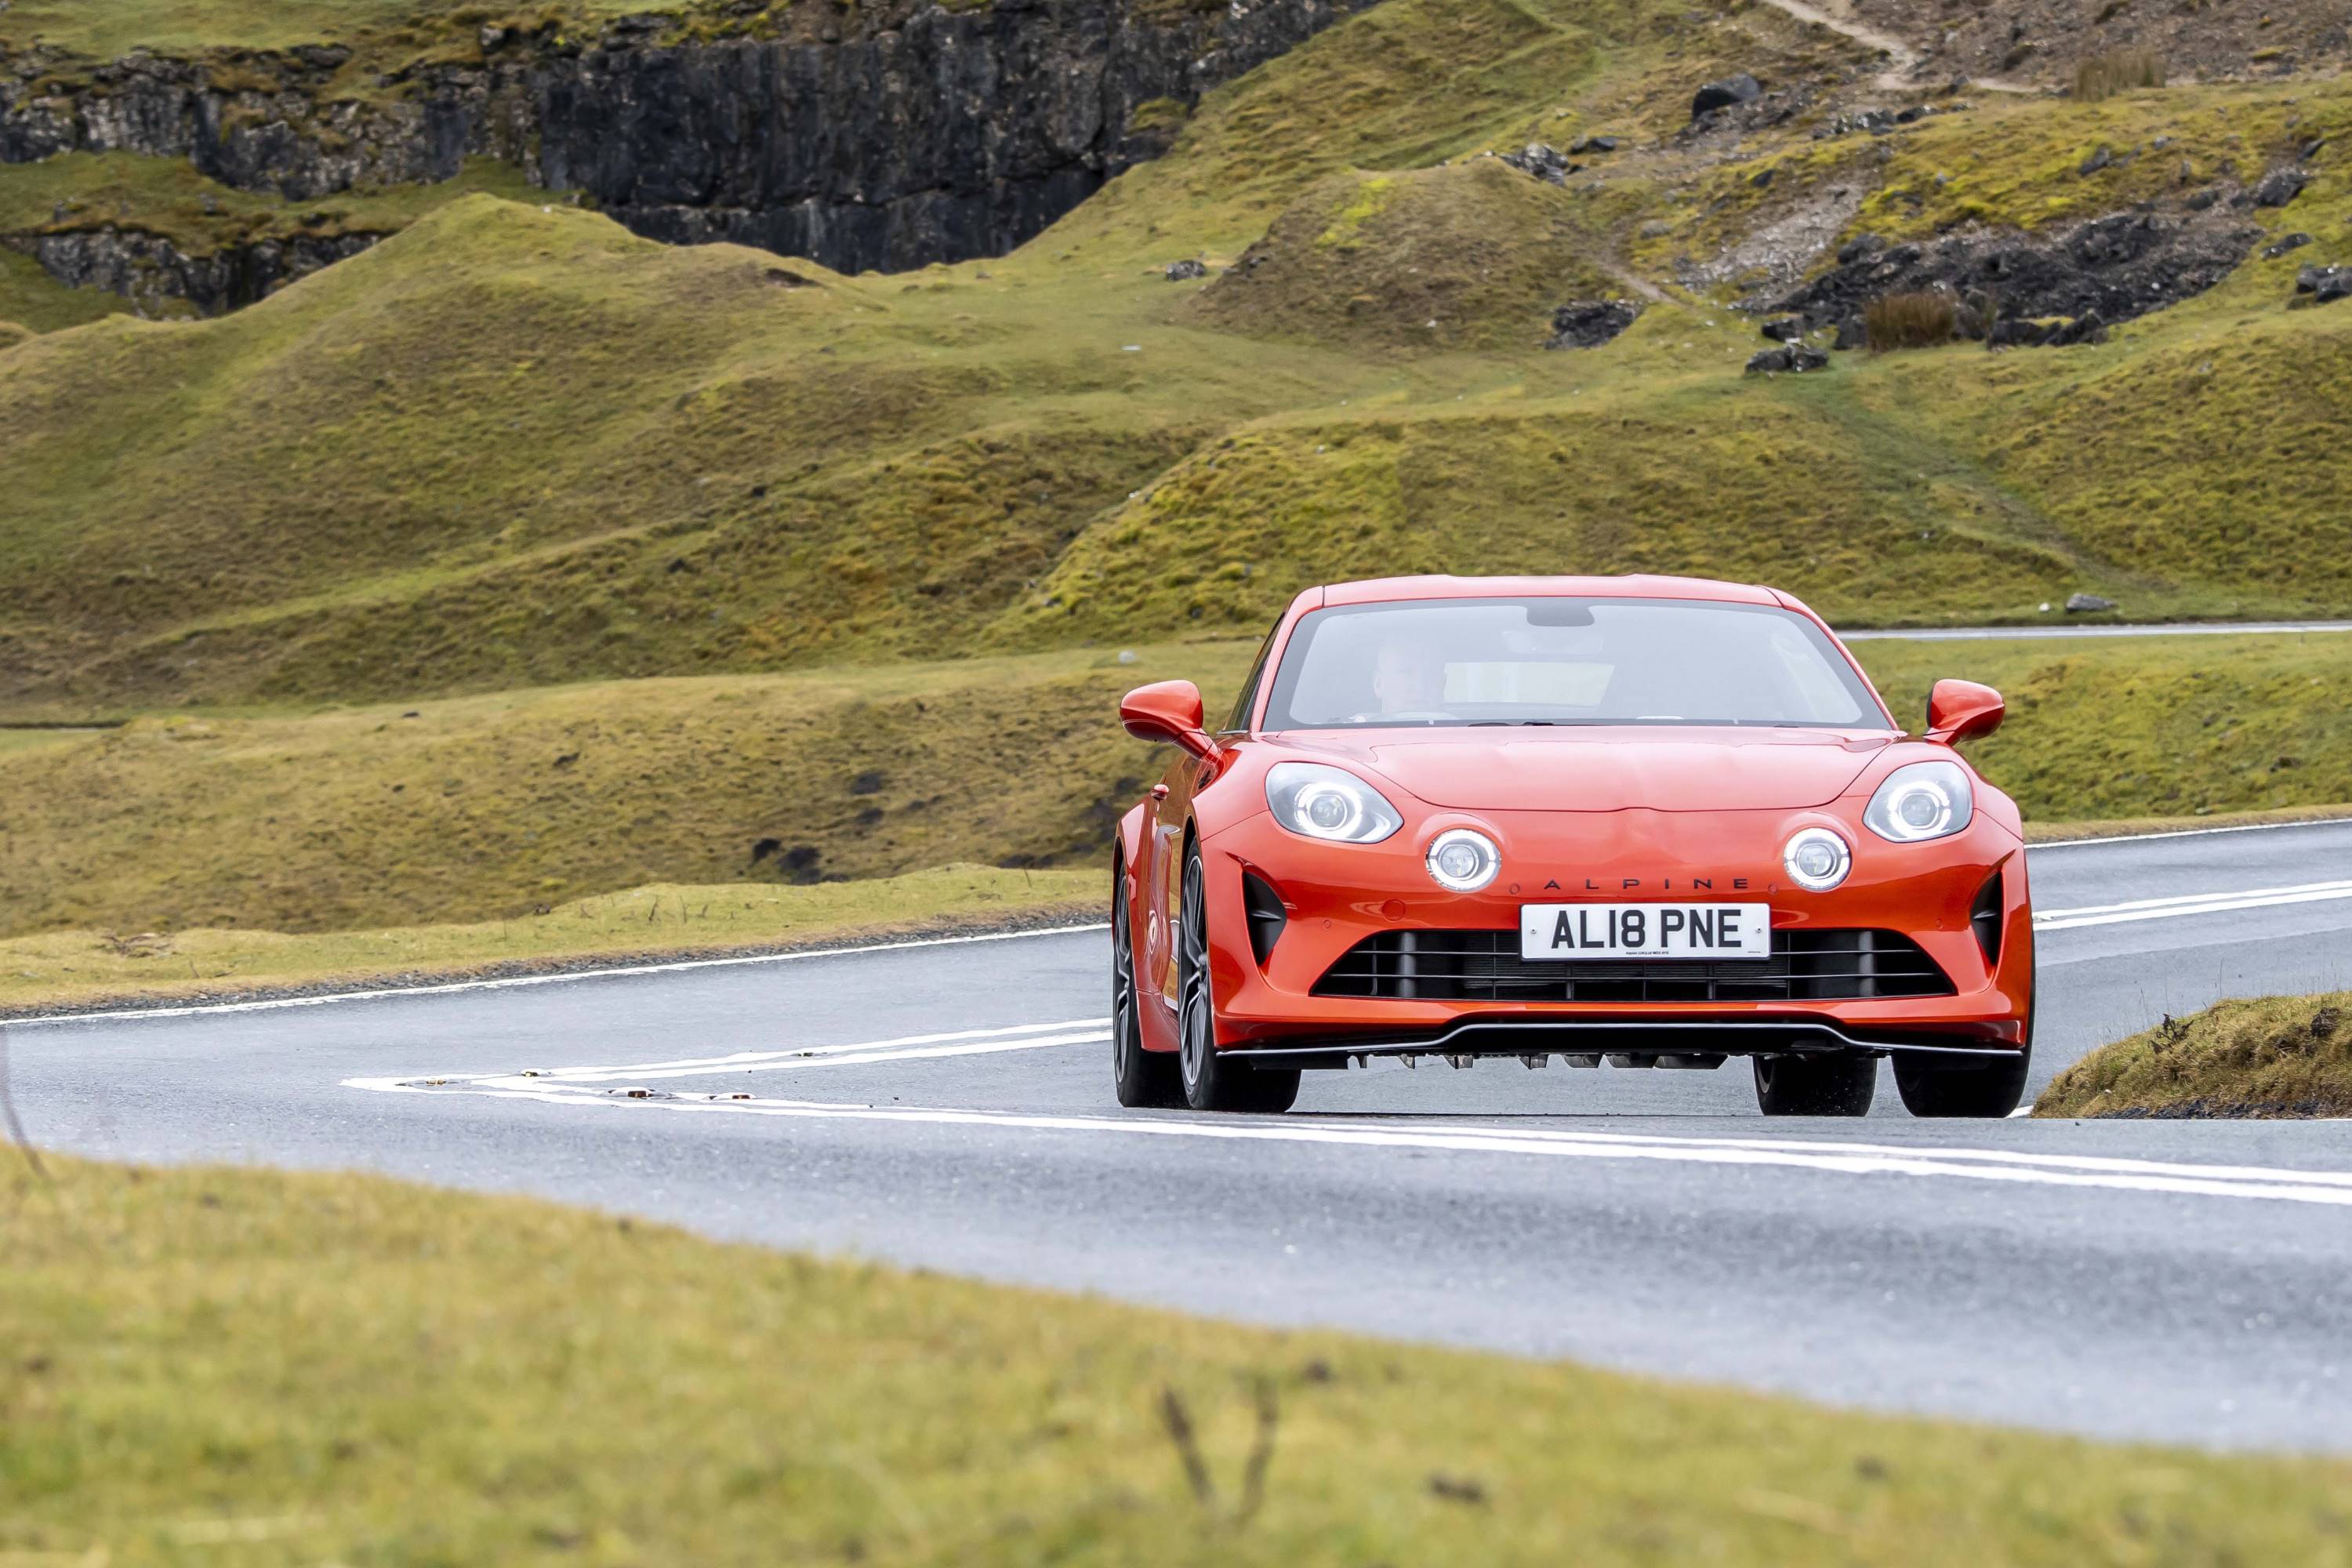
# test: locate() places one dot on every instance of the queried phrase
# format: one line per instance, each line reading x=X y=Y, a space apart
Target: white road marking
x=1071 y=1032
x=511 y=982
x=2189 y=904
x=2243 y=1182
x=2135 y=629
x=2185 y=832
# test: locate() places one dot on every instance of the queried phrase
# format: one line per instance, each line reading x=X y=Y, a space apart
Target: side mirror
x=1167 y=710
x=1961 y=710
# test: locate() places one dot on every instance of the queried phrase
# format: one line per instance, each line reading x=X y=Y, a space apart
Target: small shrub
x=2117 y=70
x=1914 y=320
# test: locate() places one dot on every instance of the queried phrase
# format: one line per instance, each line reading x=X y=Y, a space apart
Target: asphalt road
x=948 y=1105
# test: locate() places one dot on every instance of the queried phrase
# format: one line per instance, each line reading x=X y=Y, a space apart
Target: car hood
x=1575 y=769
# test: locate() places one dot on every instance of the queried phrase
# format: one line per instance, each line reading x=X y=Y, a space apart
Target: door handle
x=1160 y=792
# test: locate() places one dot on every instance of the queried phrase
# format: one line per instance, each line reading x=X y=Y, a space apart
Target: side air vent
x=1985 y=918
x=1806 y=965
x=1267 y=920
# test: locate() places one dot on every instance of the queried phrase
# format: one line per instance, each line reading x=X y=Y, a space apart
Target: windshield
x=1565 y=661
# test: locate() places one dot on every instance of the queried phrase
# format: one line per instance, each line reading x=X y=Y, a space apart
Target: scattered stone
x=2289 y=242
x=1184 y=271
x=1794 y=359
x=2088 y=603
x=2279 y=187
x=1593 y=145
x=1657 y=229
x=1859 y=246
x=2095 y=162
x=1852 y=333
x=2018 y=334
x=1588 y=323
x=1787 y=329
x=1761 y=177
x=1714 y=95
x=1545 y=163
x=2322 y=285
x=2200 y=200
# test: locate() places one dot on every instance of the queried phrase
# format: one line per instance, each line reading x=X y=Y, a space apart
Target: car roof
x=1380 y=589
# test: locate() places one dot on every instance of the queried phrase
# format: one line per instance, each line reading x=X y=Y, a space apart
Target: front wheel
x=1213 y=1080
x=1144 y=1080
x=1977 y=1089
x=1816 y=1086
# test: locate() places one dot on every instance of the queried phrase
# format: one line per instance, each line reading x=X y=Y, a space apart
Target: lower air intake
x=1486 y=966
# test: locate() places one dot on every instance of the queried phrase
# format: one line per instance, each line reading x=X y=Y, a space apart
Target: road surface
x=947 y=1104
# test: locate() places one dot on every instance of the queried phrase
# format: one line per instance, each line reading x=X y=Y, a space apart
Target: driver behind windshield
x=1408 y=677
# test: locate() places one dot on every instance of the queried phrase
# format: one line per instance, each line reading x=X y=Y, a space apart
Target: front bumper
x=1334 y=896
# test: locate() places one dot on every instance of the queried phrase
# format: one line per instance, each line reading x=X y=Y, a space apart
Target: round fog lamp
x=1817 y=859
x=1464 y=860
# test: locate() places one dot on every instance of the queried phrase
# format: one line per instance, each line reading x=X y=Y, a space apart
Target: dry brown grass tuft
x=2117 y=70
x=1915 y=320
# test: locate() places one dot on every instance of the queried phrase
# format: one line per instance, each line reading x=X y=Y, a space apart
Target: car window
x=1240 y=717
x=1543 y=661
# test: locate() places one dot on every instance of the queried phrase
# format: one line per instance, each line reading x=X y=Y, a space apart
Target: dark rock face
x=2115 y=268
x=931 y=136
x=161 y=279
x=1588 y=323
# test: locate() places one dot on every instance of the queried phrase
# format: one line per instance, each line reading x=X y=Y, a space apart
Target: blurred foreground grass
x=207 y=1366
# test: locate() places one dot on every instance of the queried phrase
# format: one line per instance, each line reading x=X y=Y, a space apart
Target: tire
x=1213 y=1080
x=1144 y=1080
x=1931 y=1088
x=1816 y=1086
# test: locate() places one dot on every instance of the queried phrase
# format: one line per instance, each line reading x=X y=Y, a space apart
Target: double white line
x=2189 y=904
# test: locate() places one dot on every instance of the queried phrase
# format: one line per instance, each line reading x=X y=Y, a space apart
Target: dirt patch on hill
x=2043 y=40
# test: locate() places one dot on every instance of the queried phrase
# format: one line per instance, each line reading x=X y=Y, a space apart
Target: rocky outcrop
x=161 y=279
x=903 y=137
x=2111 y=269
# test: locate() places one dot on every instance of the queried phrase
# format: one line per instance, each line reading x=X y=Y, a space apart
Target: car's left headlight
x=1921 y=801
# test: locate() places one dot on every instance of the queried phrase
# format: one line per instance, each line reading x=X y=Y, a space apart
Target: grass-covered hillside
x=514 y=446
x=727 y=529
x=480 y=807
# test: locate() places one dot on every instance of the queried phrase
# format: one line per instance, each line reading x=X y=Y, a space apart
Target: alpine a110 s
x=1663 y=821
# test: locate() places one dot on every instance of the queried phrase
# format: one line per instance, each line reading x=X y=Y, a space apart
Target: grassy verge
x=214 y=1365
x=2266 y=1057
x=2125 y=826
x=76 y=969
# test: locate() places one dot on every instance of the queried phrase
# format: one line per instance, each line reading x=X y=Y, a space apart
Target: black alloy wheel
x=1144 y=1080
x=1978 y=1089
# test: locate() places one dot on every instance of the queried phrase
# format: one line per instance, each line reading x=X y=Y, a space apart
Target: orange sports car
x=1658 y=819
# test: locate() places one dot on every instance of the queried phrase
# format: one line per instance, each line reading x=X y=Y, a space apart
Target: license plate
x=1591 y=931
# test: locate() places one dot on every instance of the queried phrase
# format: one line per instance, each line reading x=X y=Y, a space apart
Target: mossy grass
x=78 y=970
x=2260 y=1056
x=282 y=1368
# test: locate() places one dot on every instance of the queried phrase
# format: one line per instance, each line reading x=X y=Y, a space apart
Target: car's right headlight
x=1323 y=802
x=1921 y=801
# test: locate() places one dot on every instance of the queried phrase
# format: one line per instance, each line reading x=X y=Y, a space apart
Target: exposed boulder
x=1786 y=330
x=2088 y=603
x=2322 y=285
x=1588 y=323
x=1593 y=145
x=1545 y=163
x=2286 y=243
x=1184 y=271
x=1794 y=359
x=1731 y=90
x=2279 y=187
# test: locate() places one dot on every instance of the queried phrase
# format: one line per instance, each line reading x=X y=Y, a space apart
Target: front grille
x=1806 y=965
